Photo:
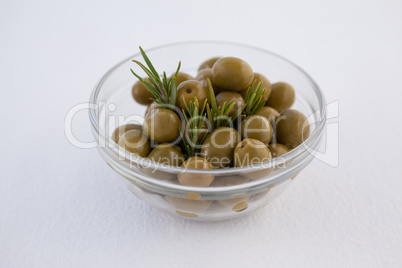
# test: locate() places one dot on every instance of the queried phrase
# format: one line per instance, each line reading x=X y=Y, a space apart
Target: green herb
x=253 y=100
x=164 y=90
x=219 y=116
x=195 y=121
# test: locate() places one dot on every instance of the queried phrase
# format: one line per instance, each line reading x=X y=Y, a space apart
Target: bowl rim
x=135 y=159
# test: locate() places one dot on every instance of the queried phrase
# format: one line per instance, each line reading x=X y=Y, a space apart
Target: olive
x=250 y=152
x=135 y=141
x=265 y=84
x=292 y=128
x=229 y=181
x=168 y=154
x=181 y=77
x=232 y=73
x=269 y=113
x=227 y=96
x=118 y=132
x=193 y=179
x=188 y=207
x=257 y=127
x=162 y=125
x=203 y=77
x=277 y=149
x=282 y=96
x=219 y=145
x=188 y=91
x=237 y=204
x=208 y=63
x=152 y=106
x=141 y=94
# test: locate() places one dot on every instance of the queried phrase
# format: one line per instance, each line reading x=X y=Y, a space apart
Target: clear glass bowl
x=235 y=191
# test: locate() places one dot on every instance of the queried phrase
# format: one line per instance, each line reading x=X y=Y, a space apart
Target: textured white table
x=64 y=207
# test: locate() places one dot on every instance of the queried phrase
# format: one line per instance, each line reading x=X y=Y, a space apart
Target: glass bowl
x=235 y=191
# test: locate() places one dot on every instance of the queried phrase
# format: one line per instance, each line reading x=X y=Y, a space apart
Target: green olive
x=118 y=132
x=282 y=96
x=203 y=77
x=188 y=91
x=219 y=145
x=135 y=141
x=194 y=179
x=152 y=106
x=292 y=128
x=269 y=113
x=237 y=204
x=162 y=125
x=181 y=77
x=251 y=152
x=257 y=127
x=265 y=84
x=227 y=96
x=168 y=154
x=208 y=63
x=229 y=181
x=232 y=73
x=140 y=93
x=277 y=149
x=188 y=207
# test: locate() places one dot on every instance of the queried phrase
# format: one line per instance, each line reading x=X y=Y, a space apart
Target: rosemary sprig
x=219 y=116
x=195 y=121
x=164 y=90
x=253 y=100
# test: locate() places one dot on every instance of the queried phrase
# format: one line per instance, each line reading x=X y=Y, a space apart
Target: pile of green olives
x=269 y=132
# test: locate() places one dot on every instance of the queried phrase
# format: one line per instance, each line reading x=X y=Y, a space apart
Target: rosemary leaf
x=148 y=62
x=254 y=101
x=164 y=90
x=194 y=123
x=219 y=116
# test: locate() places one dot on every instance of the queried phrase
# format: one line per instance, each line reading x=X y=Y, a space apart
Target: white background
x=61 y=206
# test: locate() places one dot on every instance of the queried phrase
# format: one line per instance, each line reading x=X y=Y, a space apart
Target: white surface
x=64 y=207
